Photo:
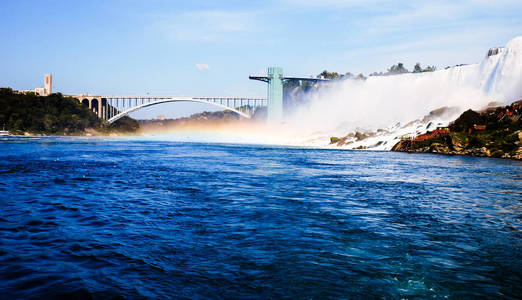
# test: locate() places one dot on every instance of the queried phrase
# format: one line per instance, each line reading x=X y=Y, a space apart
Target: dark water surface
x=94 y=218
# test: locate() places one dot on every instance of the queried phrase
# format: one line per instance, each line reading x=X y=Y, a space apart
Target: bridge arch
x=94 y=105
x=86 y=102
x=177 y=99
x=103 y=113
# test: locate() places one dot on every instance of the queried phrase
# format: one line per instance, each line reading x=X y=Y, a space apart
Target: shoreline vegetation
x=32 y=115
x=203 y=120
x=491 y=132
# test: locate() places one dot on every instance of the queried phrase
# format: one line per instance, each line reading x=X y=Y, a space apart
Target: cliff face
x=494 y=132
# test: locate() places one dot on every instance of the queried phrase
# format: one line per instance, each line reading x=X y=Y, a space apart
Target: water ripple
x=92 y=218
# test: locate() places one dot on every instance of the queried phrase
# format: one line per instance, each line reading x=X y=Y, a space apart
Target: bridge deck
x=119 y=106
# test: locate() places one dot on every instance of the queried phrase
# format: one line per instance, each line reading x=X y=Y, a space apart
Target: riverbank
x=492 y=132
x=32 y=115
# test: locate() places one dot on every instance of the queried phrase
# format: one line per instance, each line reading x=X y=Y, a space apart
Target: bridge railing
x=118 y=104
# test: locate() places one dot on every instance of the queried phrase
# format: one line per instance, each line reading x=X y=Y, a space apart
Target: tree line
x=393 y=70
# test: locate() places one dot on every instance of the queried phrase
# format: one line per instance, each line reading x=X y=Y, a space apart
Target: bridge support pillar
x=275 y=94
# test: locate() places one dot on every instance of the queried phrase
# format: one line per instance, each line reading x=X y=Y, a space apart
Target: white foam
x=379 y=101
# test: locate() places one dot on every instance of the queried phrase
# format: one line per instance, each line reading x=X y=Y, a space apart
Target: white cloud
x=202 y=67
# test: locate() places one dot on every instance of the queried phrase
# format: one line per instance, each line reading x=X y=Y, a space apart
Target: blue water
x=84 y=218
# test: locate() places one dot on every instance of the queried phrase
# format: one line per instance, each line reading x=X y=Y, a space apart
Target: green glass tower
x=275 y=94
x=275 y=80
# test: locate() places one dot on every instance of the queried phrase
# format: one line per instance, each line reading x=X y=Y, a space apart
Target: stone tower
x=48 y=84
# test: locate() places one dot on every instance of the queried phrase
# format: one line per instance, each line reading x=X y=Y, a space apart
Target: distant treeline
x=51 y=115
x=226 y=115
x=393 y=70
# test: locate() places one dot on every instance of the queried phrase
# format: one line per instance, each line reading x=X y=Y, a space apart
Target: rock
x=398 y=147
x=338 y=141
x=498 y=153
x=360 y=136
x=518 y=154
x=402 y=145
x=439 y=148
x=457 y=144
x=484 y=151
x=341 y=141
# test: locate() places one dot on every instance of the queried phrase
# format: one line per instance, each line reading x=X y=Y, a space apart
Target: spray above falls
x=389 y=103
x=375 y=113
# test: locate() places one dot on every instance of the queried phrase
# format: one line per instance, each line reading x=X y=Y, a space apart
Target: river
x=99 y=218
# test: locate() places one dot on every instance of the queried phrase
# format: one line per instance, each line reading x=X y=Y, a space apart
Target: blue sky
x=208 y=48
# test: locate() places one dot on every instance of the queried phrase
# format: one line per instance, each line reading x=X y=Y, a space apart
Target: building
x=46 y=90
x=39 y=91
x=48 y=84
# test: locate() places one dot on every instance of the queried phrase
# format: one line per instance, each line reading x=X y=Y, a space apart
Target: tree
x=397 y=69
x=328 y=75
x=417 y=68
x=466 y=120
x=429 y=69
x=53 y=114
x=361 y=77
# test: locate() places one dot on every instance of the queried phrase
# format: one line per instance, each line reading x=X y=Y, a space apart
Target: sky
x=209 y=48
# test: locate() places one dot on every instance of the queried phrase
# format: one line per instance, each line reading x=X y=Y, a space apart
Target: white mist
x=382 y=101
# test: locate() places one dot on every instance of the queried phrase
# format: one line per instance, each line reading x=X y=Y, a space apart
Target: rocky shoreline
x=455 y=147
x=493 y=132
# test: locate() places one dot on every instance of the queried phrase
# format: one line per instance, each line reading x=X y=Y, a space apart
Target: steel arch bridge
x=113 y=108
x=117 y=107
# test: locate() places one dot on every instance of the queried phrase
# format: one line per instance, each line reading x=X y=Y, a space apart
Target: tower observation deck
x=275 y=80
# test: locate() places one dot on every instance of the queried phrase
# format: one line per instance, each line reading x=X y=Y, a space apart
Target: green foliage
x=466 y=121
x=216 y=115
x=397 y=69
x=334 y=140
x=477 y=141
x=125 y=125
x=53 y=114
x=439 y=140
x=417 y=68
x=328 y=75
